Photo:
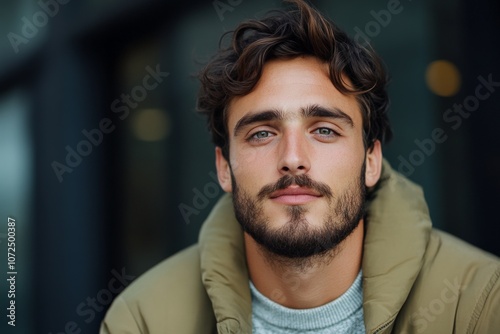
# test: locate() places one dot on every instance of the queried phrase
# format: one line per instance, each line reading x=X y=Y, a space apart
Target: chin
x=294 y=215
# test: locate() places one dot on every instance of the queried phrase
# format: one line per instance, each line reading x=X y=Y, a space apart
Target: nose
x=294 y=154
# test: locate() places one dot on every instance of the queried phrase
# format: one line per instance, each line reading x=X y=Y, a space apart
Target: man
x=320 y=235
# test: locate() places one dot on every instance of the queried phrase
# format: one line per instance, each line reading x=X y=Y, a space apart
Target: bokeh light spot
x=150 y=125
x=443 y=78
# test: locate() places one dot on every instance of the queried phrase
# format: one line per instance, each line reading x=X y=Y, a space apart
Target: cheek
x=340 y=167
x=243 y=170
x=241 y=162
x=344 y=157
x=251 y=161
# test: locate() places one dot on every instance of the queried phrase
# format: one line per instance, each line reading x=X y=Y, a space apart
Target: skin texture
x=329 y=150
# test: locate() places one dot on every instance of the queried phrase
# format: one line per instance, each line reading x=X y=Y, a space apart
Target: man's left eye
x=324 y=131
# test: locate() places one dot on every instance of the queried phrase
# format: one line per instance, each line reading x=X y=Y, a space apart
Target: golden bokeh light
x=150 y=125
x=443 y=78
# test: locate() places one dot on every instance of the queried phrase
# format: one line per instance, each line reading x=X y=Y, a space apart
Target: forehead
x=290 y=85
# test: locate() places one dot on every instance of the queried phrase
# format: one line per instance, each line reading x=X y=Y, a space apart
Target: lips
x=294 y=195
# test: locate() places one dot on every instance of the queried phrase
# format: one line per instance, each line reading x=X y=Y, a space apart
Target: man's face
x=298 y=167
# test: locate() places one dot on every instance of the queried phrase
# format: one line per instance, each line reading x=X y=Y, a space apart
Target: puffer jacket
x=416 y=279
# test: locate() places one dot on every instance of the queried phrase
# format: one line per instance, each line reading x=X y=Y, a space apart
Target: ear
x=223 y=171
x=373 y=164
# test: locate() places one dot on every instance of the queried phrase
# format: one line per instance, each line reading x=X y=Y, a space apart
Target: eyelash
x=332 y=132
x=253 y=137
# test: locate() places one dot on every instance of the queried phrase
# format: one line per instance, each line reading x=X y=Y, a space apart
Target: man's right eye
x=261 y=135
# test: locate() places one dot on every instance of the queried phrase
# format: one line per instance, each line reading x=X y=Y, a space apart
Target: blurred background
x=107 y=169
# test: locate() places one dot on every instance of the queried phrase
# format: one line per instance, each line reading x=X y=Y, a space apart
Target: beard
x=298 y=240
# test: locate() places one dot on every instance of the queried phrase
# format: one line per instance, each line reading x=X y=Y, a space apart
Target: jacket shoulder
x=169 y=297
x=457 y=287
x=478 y=275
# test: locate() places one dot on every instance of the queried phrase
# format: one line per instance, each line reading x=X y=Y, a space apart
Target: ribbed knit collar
x=325 y=316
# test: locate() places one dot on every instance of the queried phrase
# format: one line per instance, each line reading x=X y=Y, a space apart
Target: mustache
x=302 y=180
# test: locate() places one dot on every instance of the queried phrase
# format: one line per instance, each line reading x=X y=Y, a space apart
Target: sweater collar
x=341 y=313
x=397 y=231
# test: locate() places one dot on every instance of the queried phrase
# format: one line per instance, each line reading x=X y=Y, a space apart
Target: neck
x=306 y=283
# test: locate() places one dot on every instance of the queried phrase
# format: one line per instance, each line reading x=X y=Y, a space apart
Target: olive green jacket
x=415 y=279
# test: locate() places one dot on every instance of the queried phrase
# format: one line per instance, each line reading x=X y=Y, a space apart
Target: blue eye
x=261 y=135
x=324 y=131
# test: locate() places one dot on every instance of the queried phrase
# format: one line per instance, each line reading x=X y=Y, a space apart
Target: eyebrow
x=279 y=115
x=319 y=111
x=262 y=116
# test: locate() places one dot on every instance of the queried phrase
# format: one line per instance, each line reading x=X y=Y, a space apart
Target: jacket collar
x=224 y=270
x=398 y=229
x=397 y=232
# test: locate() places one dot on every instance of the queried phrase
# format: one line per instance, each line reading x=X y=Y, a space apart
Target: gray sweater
x=343 y=315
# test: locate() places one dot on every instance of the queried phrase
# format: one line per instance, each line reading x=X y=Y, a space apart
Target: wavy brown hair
x=299 y=31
